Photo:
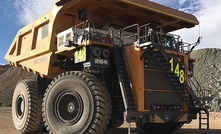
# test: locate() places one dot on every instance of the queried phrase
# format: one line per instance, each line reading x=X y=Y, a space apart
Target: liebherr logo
x=40 y=60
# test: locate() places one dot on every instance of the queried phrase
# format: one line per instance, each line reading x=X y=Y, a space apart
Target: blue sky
x=8 y=29
x=15 y=14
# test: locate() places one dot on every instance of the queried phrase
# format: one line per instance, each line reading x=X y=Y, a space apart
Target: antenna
x=199 y=27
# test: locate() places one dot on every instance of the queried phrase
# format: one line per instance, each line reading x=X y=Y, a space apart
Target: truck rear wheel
x=76 y=102
x=26 y=107
x=158 y=128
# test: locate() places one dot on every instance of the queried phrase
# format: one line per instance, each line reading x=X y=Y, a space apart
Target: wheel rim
x=69 y=107
x=20 y=106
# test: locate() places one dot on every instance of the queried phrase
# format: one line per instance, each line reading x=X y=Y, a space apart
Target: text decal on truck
x=80 y=55
x=176 y=70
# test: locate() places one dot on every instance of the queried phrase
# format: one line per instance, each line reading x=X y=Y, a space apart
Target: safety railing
x=140 y=35
x=128 y=37
x=202 y=94
x=85 y=31
x=145 y=34
x=192 y=81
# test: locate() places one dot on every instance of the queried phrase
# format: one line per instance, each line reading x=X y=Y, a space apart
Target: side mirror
x=196 y=44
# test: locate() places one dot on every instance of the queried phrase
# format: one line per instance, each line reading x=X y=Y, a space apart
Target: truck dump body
x=34 y=47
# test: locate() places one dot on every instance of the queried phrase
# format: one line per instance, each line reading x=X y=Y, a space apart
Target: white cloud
x=30 y=10
x=189 y=6
x=170 y=3
x=208 y=13
x=209 y=27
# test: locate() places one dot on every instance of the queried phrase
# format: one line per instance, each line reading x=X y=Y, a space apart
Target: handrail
x=147 y=32
x=121 y=32
x=200 y=93
x=78 y=25
x=134 y=25
x=180 y=46
x=84 y=25
x=197 y=87
x=158 y=36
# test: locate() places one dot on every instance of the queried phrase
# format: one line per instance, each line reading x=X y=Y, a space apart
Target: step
x=162 y=63
x=157 y=55
x=124 y=78
x=171 y=75
x=180 y=87
x=204 y=123
x=185 y=99
x=128 y=88
x=130 y=104
x=130 y=97
x=123 y=75
x=120 y=65
x=182 y=91
x=165 y=67
x=127 y=84
x=203 y=113
x=175 y=79
x=203 y=118
x=160 y=59
x=176 y=83
x=130 y=108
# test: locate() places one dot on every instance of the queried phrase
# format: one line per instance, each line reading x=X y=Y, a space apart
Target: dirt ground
x=6 y=125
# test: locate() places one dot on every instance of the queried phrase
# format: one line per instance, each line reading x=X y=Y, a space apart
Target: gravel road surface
x=6 y=126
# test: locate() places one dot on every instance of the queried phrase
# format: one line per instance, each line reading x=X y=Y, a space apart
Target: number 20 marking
x=179 y=72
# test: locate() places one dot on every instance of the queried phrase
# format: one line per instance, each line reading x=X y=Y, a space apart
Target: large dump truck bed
x=35 y=48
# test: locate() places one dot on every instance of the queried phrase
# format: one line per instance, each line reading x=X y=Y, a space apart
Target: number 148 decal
x=176 y=70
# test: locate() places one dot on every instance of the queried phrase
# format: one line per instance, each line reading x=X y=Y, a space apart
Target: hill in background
x=207 y=71
x=9 y=76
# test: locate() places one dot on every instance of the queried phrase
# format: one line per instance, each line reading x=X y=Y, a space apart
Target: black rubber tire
x=117 y=116
x=116 y=123
x=161 y=128
x=89 y=99
x=26 y=107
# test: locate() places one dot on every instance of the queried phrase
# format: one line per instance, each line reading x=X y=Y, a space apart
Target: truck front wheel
x=26 y=107
x=76 y=102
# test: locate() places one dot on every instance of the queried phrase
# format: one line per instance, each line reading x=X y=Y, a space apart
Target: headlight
x=106 y=53
x=96 y=52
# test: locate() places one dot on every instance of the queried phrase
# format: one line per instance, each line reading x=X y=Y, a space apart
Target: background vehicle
x=98 y=61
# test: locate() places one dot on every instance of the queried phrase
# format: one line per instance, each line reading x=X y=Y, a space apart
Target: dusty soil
x=9 y=77
x=6 y=125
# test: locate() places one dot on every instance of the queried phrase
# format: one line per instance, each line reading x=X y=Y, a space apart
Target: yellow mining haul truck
x=99 y=62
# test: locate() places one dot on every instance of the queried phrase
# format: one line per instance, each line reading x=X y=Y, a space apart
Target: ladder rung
x=204 y=113
x=204 y=123
x=204 y=118
x=124 y=78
